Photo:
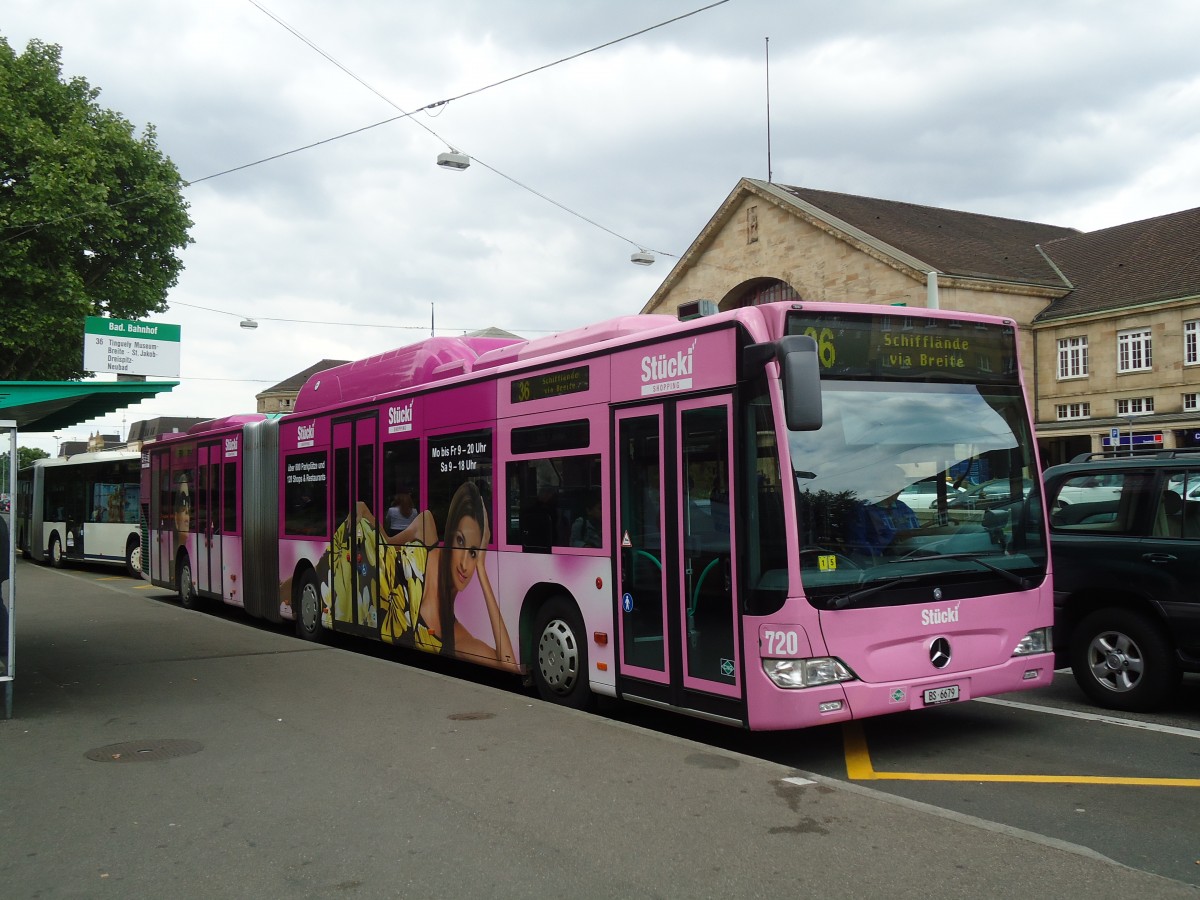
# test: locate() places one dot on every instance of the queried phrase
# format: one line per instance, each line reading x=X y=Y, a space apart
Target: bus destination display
x=852 y=345
x=552 y=384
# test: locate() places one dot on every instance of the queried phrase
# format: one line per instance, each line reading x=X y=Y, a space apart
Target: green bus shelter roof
x=53 y=405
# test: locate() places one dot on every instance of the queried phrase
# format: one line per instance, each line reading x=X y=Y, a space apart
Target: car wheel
x=308 y=609
x=1121 y=660
x=560 y=669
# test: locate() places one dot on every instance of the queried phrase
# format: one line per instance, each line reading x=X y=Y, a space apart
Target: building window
x=1133 y=351
x=751 y=224
x=1191 y=355
x=1191 y=402
x=772 y=293
x=1074 y=411
x=1073 y=357
x=1135 y=406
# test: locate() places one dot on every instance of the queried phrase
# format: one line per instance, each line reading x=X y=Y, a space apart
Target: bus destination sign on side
x=131 y=348
x=552 y=384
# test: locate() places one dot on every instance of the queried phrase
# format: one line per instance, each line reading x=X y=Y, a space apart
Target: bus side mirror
x=800 y=371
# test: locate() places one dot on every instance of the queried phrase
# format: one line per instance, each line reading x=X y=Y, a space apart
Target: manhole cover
x=144 y=751
x=468 y=716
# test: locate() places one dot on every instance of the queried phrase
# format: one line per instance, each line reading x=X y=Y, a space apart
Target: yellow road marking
x=860 y=768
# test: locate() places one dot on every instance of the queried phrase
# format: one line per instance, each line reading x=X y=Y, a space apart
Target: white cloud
x=1079 y=113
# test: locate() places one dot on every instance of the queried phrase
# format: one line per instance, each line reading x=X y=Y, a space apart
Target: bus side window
x=552 y=497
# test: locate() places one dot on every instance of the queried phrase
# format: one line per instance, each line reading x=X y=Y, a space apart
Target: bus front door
x=677 y=610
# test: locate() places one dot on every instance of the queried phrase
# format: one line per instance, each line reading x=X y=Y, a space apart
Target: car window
x=1179 y=507
x=1122 y=503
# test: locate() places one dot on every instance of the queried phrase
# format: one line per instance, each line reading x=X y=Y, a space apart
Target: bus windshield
x=909 y=486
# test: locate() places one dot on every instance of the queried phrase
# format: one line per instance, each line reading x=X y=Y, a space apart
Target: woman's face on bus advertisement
x=465 y=544
x=183 y=508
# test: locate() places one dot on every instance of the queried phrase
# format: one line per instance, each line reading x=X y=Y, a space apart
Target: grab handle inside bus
x=800 y=372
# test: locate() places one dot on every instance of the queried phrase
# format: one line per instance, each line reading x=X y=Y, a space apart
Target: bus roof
x=416 y=364
x=439 y=358
x=226 y=422
x=91 y=456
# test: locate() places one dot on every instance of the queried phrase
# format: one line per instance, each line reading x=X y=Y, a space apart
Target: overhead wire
x=226 y=312
x=442 y=103
x=406 y=114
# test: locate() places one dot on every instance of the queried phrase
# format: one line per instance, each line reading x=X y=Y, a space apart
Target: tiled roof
x=1126 y=265
x=295 y=382
x=955 y=243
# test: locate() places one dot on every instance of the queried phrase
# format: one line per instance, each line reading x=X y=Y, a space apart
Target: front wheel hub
x=558 y=657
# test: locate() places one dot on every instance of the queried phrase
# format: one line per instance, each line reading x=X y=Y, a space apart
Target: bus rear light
x=805 y=673
x=1037 y=641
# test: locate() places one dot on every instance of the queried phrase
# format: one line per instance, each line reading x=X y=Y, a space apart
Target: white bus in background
x=82 y=508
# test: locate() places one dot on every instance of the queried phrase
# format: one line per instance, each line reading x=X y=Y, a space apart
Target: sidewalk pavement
x=250 y=764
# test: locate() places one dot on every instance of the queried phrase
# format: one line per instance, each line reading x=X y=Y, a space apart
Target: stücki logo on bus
x=306 y=435
x=939 y=616
x=400 y=418
x=231 y=447
x=664 y=373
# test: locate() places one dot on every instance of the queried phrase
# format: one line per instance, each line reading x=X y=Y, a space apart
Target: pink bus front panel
x=904 y=657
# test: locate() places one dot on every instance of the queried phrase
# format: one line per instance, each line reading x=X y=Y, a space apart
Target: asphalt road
x=1125 y=786
x=1047 y=762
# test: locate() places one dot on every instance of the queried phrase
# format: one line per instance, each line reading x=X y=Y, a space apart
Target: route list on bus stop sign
x=131 y=348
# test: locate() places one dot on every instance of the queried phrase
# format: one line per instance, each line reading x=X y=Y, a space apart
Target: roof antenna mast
x=767 y=42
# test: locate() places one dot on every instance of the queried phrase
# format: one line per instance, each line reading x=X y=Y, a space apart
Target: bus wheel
x=133 y=557
x=56 y=551
x=188 y=598
x=308 y=609
x=560 y=669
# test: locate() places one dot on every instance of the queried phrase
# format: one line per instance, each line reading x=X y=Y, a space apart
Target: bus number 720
x=782 y=643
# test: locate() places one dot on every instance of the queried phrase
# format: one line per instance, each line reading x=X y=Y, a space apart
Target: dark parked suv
x=1125 y=538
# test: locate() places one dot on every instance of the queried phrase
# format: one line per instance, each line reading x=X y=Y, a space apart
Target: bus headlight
x=804 y=673
x=1037 y=641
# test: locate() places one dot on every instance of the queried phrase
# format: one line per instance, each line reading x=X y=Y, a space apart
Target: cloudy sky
x=1082 y=113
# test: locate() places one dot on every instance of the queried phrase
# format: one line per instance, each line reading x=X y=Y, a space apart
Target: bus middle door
x=208 y=572
x=677 y=611
x=354 y=554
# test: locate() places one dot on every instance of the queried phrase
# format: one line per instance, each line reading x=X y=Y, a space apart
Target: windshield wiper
x=863 y=593
x=1019 y=580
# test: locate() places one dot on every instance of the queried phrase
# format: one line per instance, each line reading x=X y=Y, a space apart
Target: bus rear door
x=161 y=549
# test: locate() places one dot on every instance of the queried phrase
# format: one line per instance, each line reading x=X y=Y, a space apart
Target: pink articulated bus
x=768 y=517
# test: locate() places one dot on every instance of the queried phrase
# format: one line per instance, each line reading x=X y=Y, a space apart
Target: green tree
x=25 y=457
x=91 y=216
